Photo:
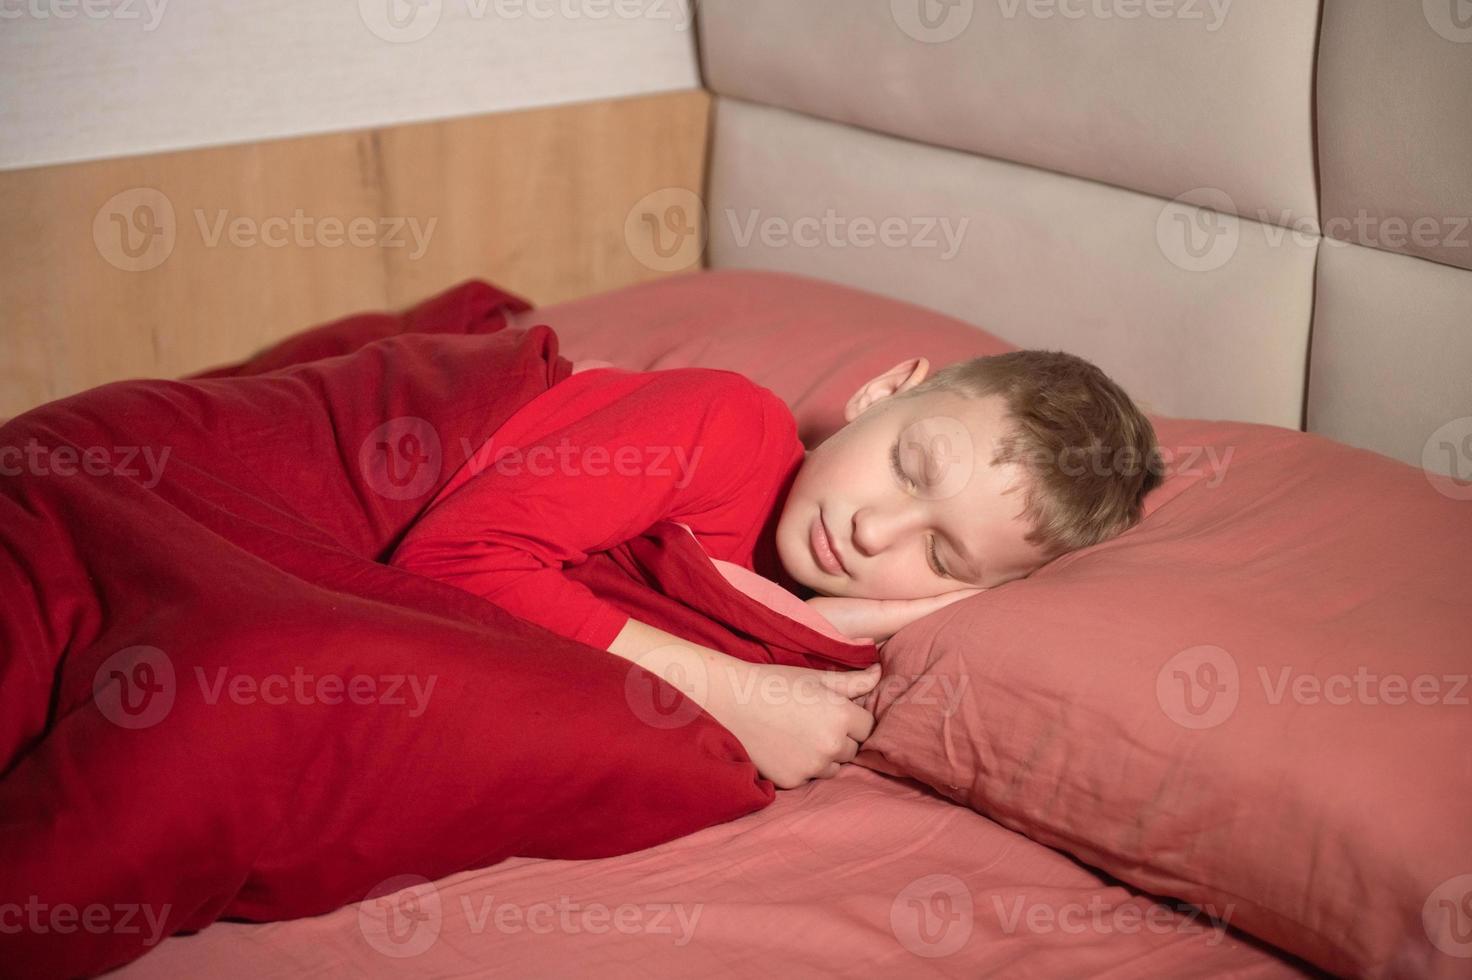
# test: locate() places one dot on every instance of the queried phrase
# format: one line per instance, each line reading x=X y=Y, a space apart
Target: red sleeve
x=592 y=462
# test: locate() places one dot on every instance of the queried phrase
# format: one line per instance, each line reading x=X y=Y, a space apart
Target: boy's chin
x=806 y=589
x=829 y=591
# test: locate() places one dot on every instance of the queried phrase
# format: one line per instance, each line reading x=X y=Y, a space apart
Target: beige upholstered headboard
x=1244 y=209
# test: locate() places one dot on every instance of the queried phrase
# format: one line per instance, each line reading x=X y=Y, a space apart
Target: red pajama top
x=595 y=461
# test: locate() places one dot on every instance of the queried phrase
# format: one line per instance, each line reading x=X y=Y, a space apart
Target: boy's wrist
x=700 y=673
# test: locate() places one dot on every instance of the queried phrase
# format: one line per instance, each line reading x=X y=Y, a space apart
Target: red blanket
x=218 y=702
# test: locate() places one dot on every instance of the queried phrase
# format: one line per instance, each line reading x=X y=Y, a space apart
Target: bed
x=861 y=874
x=1229 y=743
x=1113 y=764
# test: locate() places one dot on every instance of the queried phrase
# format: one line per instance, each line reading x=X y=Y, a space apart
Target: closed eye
x=935 y=565
x=931 y=558
x=898 y=467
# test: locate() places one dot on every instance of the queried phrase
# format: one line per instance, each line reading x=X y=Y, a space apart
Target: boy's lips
x=823 y=548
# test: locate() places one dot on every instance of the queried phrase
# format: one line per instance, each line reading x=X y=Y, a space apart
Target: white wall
x=86 y=79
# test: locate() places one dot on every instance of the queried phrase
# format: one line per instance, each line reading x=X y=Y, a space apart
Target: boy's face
x=943 y=521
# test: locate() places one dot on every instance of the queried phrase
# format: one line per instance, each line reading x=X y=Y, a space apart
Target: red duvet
x=219 y=703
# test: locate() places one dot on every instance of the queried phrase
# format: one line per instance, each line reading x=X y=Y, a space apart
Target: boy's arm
x=795 y=723
x=618 y=453
x=878 y=619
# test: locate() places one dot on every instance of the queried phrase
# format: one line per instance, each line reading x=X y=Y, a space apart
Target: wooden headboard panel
x=168 y=263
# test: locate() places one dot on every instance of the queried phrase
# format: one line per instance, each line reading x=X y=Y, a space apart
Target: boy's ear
x=902 y=377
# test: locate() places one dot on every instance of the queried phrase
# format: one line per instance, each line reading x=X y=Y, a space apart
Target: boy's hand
x=795 y=723
x=879 y=619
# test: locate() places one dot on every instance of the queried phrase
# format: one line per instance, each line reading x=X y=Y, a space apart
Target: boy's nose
x=876 y=530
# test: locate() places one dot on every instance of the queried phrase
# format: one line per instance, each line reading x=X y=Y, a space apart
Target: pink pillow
x=810 y=342
x=1255 y=700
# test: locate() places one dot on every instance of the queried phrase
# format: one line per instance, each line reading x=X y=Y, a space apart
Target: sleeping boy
x=938 y=487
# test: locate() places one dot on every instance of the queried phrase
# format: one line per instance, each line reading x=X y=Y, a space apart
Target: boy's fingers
x=896 y=614
x=852 y=683
x=945 y=599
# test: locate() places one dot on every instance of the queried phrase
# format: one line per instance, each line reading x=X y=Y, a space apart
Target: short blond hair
x=1089 y=453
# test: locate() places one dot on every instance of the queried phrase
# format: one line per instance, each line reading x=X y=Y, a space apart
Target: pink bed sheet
x=863 y=874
